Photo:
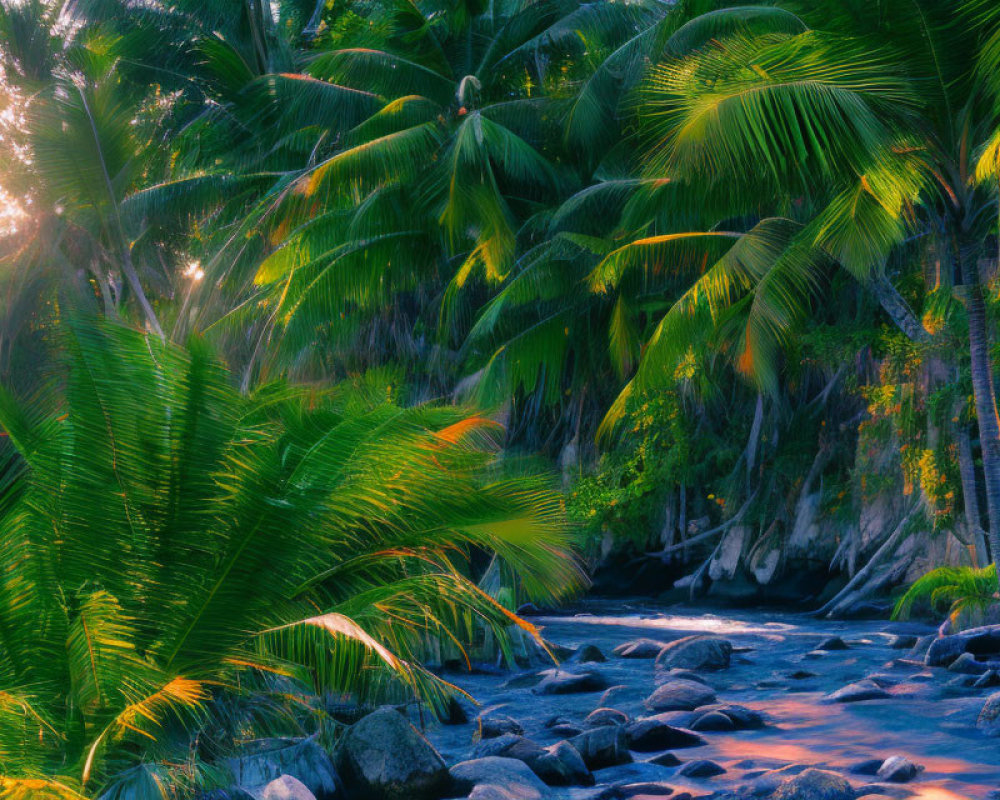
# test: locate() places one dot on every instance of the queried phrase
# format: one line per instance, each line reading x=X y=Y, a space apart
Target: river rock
x=644 y=790
x=903 y=641
x=567 y=731
x=562 y=765
x=559 y=765
x=897 y=769
x=383 y=757
x=856 y=692
x=696 y=653
x=510 y=774
x=701 y=768
x=587 y=654
x=497 y=725
x=869 y=766
x=966 y=664
x=978 y=641
x=508 y=745
x=989 y=717
x=815 y=784
x=650 y=734
x=743 y=718
x=284 y=787
x=640 y=648
x=713 y=721
x=832 y=643
x=561 y=681
x=664 y=675
x=302 y=759
x=605 y=746
x=680 y=695
x=667 y=759
x=605 y=716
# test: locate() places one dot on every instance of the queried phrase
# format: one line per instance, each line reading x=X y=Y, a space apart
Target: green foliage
x=952 y=590
x=171 y=543
x=625 y=494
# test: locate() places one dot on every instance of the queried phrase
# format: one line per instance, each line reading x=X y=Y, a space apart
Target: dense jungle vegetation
x=308 y=308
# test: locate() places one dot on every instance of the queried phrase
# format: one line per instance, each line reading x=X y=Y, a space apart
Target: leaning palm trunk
x=985 y=396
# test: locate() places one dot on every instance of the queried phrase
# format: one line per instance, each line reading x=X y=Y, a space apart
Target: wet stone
x=701 y=768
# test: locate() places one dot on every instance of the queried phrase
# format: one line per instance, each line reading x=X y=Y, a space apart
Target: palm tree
x=170 y=543
x=867 y=135
x=430 y=146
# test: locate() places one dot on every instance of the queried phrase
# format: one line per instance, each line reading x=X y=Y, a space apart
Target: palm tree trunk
x=985 y=394
x=967 y=473
x=897 y=308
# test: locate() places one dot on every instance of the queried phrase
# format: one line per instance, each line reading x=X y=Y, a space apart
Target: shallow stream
x=925 y=719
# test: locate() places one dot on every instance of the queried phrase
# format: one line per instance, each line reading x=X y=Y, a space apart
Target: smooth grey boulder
x=604 y=746
x=497 y=725
x=699 y=652
x=897 y=769
x=650 y=734
x=680 y=695
x=713 y=721
x=857 y=692
x=988 y=720
x=665 y=675
x=562 y=765
x=701 y=768
x=743 y=718
x=503 y=745
x=903 y=641
x=559 y=765
x=815 y=784
x=561 y=681
x=284 y=787
x=264 y=760
x=832 y=643
x=605 y=716
x=667 y=759
x=383 y=757
x=640 y=648
x=508 y=773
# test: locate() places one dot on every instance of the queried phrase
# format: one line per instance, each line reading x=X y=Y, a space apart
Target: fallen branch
x=707 y=534
x=888 y=547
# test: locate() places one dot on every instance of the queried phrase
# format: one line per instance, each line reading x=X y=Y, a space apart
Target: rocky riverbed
x=780 y=707
x=652 y=702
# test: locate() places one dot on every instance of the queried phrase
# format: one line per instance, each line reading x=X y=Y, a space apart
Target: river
x=924 y=719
